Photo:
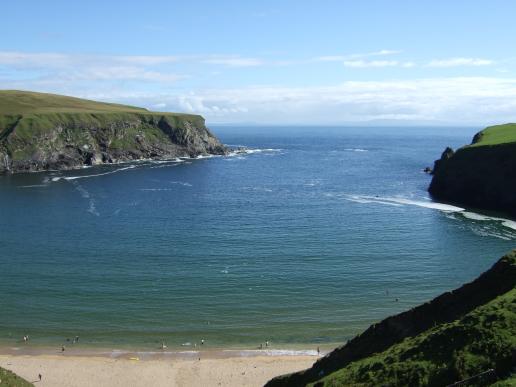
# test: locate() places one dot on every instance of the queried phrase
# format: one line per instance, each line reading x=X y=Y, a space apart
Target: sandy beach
x=82 y=371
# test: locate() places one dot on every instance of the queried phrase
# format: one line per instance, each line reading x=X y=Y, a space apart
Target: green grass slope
x=14 y=102
x=495 y=135
x=483 y=339
x=40 y=131
x=416 y=347
x=10 y=379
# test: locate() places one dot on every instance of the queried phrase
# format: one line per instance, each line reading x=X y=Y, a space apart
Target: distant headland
x=40 y=131
x=481 y=175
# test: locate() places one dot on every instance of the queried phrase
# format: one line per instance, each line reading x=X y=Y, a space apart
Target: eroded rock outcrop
x=70 y=140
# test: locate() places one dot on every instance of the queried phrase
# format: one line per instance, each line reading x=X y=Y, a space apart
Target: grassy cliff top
x=495 y=135
x=16 y=102
x=481 y=340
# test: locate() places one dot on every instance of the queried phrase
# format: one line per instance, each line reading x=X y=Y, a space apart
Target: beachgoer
x=163 y=346
x=261 y=345
x=202 y=341
x=62 y=348
x=39 y=376
x=318 y=351
x=24 y=339
x=266 y=343
x=76 y=339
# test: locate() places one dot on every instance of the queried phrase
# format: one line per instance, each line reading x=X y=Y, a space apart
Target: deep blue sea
x=306 y=240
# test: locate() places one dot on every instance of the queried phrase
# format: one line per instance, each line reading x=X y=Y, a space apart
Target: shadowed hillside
x=454 y=336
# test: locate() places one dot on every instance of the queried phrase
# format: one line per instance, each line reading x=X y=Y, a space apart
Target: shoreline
x=165 y=354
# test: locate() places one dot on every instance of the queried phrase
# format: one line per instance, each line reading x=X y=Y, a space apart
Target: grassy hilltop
x=26 y=102
x=495 y=135
x=40 y=131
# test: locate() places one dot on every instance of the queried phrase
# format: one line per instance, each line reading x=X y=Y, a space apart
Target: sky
x=272 y=62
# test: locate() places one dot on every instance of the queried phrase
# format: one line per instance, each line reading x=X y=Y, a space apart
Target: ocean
x=303 y=241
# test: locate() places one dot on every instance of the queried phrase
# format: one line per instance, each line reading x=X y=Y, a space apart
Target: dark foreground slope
x=456 y=335
x=45 y=131
x=481 y=175
x=10 y=379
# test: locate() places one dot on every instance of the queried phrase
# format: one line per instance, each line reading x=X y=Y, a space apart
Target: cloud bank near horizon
x=169 y=83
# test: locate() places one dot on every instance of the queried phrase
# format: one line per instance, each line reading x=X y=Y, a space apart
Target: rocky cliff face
x=45 y=141
x=482 y=177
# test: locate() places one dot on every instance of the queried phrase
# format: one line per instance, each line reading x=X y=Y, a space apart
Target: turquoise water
x=305 y=241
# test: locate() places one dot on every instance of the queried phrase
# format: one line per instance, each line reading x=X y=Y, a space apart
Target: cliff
x=456 y=335
x=44 y=131
x=481 y=175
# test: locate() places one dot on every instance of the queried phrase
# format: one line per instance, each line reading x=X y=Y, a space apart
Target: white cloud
x=455 y=62
x=70 y=67
x=341 y=58
x=234 y=61
x=370 y=63
x=464 y=100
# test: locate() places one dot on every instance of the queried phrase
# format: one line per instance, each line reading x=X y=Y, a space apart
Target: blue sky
x=283 y=62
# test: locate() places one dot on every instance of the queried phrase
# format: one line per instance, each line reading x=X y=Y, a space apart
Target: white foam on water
x=486 y=233
x=364 y=200
x=92 y=209
x=184 y=184
x=250 y=151
x=446 y=208
x=33 y=186
x=505 y=222
x=402 y=201
x=274 y=352
x=171 y=161
x=475 y=216
x=356 y=150
x=69 y=178
x=155 y=189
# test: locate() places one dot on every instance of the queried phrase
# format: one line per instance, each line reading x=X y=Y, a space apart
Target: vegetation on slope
x=45 y=131
x=481 y=340
x=10 y=379
x=23 y=102
x=421 y=330
x=495 y=135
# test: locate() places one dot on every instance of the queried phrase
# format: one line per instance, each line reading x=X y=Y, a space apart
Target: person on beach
x=318 y=351
x=76 y=339
x=202 y=341
x=267 y=343
x=62 y=348
x=39 y=376
x=163 y=346
x=24 y=339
